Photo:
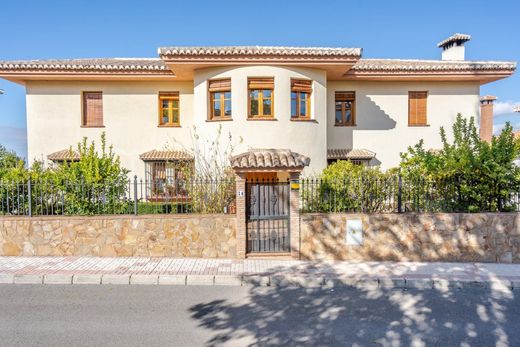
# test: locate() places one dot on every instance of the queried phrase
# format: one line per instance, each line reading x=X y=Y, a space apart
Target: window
x=169 y=109
x=417 y=108
x=165 y=180
x=220 y=99
x=301 y=99
x=92 y=109
x=261 y=98
x=345 y=106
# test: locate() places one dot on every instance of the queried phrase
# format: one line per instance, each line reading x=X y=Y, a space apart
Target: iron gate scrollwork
x=267 y=217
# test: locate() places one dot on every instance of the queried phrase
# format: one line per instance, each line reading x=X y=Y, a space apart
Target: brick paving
x=263 y=267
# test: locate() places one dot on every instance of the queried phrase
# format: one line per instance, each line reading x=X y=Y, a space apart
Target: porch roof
x=272 y=159
x=155 y=155
x=64 y=155
x=348 y=153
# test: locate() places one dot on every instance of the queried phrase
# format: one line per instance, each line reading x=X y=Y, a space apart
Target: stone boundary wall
x=452 y=237
x=208 y=236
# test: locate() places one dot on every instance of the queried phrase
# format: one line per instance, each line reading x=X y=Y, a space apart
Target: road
x=236 y=316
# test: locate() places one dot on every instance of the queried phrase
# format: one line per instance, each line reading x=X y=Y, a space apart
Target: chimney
x=453 y=46
x=486 y=117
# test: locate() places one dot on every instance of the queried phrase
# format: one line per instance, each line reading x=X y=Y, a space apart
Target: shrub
x=344 y=186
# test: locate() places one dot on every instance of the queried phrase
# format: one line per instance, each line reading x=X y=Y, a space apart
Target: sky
x=384 y=29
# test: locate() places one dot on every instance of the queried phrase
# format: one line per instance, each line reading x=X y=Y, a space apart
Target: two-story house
x=323 y=103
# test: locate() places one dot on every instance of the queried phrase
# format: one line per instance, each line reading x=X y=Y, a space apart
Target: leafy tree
x=466 y=174
x=9 y=161
x=94 y=184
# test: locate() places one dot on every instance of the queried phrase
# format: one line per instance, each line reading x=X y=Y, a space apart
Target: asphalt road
x=217 y=315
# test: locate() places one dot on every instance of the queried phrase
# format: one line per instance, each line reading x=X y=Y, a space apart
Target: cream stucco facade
x=130 y=100
x=131 y=119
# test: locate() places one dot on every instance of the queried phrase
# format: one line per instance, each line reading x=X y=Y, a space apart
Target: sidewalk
x=189 y=271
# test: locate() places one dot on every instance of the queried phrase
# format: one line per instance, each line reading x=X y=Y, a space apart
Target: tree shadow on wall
x=361 y=315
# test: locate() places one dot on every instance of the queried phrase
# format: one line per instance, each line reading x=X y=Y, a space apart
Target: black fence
x=133 y=196
x=394 y=193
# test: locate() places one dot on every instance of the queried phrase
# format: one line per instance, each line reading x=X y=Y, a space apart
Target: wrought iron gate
x=267 y=216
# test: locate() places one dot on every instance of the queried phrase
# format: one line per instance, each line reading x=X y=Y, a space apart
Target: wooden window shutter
x=417 y=110
x=345 y=96
x=303 y=86
x=261 y=83
x=220 y=85
x=93 y=109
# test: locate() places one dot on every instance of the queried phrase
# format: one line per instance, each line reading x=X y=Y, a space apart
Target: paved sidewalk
x=189 y=271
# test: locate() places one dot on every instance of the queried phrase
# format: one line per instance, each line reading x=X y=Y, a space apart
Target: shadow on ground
x=364 y=315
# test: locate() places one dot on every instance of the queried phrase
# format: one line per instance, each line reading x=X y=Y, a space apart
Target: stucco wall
x=308 y=138
x=131 y=115
x=382 y=115
x=479 y=237
x=209 y=236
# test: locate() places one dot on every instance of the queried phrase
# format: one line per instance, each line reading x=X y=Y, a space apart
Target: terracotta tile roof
x=259 y=50
x=64 y=155
x=165 y=155
x=143 y=65
x=347 y=153
x=269 y=159
x=454 y=38
x=410 y=65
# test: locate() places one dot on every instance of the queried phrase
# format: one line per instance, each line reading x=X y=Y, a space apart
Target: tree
x=8 y=161
x=469 y=173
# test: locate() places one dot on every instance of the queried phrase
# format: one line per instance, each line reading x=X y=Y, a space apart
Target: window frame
x=172 y=96
x=222 y=101
x=308 y=93
x=343 y=123
x=84 y=110
x=260 y=115
x=417 y=124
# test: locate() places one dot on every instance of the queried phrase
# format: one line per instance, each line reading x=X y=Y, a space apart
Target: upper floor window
x=417 y=108
x=220 y=99
x=92 y=109
x=261 y=103
x=169 y=111
x=301 y=99
x=345 y=108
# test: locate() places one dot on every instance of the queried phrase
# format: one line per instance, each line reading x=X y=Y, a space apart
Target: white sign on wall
x=354 y=232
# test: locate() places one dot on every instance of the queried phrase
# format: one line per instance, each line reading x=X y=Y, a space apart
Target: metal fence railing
x=132 y=196
x=393 y=193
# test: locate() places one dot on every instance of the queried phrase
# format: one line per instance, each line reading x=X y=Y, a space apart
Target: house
x=303 y=105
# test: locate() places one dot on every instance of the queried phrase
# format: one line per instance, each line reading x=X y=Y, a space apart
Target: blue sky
x=384 y=29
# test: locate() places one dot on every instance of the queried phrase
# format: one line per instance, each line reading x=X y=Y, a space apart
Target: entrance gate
x=267 y=217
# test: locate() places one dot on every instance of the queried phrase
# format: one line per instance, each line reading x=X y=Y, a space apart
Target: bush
x=346 y=187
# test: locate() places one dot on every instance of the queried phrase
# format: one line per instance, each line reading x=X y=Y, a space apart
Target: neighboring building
x=323 y=103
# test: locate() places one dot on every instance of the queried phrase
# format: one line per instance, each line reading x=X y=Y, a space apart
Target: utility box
x=354 y=232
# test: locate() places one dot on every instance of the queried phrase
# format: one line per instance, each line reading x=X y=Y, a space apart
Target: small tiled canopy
x=155 y=155
x=64 y=155
x=350 y=154
x=269 y=159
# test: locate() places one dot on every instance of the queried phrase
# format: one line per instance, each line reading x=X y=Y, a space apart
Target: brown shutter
x=220 y=85
x=304 y=86
x=261 y=83
x=417 y=112
x=93 y=109
x=345 y=96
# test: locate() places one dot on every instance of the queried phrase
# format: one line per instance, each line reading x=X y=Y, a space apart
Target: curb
x=277 y=280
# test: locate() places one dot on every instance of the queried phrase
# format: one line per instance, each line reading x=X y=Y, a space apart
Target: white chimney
x=453 y=46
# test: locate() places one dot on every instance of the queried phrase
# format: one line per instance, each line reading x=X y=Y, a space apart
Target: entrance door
x=267 y=217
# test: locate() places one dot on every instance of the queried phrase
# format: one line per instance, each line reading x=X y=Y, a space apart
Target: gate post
x=294 y=214
x=241 y=215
